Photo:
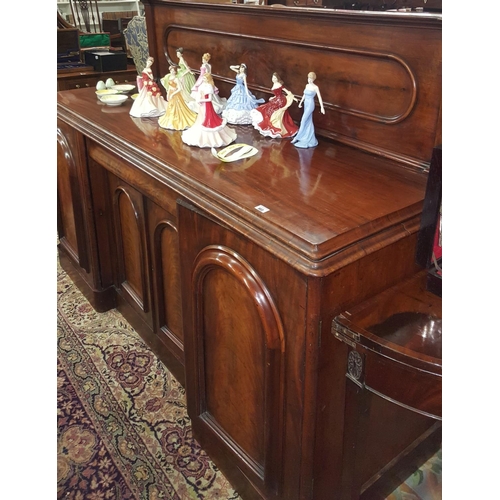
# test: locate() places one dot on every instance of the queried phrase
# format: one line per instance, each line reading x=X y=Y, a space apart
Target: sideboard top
x=322 y=202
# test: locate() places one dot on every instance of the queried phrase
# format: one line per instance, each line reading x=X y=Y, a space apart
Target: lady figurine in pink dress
x=219 y=103
x=209 y=129
x=272 y=119
x=204 y=68
x=177 y=116
x=149 y=102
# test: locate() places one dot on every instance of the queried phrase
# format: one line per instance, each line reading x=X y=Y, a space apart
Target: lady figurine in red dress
x=149 y=102
x=272 y=119
x=209 y=130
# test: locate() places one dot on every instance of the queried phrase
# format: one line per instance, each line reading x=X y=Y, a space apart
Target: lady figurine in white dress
x=209 y=129
x=149 y=102
x=305 y=137
x=241 y=101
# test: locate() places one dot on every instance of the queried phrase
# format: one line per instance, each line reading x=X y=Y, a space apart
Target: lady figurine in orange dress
x=149 y=102
x=209 y=129
x=272 y=119
x=177 y=116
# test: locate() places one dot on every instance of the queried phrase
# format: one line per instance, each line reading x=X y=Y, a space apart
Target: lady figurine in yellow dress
x=177 y=116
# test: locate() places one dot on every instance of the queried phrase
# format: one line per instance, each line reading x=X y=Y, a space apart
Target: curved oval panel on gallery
x=371 y=85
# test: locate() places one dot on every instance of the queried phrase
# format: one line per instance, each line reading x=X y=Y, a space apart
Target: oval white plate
x=126 y=87
x=103 y=92
x=114 y=99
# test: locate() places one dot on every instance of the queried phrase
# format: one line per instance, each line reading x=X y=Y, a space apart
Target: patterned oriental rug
x=122 y=425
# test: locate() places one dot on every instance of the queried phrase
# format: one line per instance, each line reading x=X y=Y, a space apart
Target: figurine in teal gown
x=305 y=137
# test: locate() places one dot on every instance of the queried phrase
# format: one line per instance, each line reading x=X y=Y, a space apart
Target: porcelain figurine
x=149 y=102
x=241 y=101
x=209 y=129
x=305 y=137
x=177 y=116
x=219 y=103
x=185 y=76
x=272 y=119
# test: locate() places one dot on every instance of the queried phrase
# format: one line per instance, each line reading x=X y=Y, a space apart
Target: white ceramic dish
x=125 y=87
x=103 y=92
x=114 y=99
x=134 y=96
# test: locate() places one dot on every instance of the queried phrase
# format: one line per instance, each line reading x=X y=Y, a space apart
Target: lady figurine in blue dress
x=305 y=137
x=241 y=101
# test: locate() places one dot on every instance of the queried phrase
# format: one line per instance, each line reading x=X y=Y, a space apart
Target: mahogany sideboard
x=241 y=304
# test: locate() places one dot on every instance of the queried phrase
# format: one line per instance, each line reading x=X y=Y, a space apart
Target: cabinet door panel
x=244 y=316
x=71 y=222
x=239 y=348
x=76 y=220
x=130 y=234
x=234 y=358
x=166 y=276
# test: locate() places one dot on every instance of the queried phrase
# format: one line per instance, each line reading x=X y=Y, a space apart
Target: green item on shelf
x=95 y=40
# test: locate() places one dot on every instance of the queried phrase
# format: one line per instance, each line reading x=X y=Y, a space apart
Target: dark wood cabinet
x=237 y=323
x=393 y=375
x=139 y=249
x=250 y=310
x=76 y=219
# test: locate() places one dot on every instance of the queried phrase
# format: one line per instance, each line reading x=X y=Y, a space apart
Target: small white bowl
x=114 y=99
x=125 y=87
x=134 y=96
